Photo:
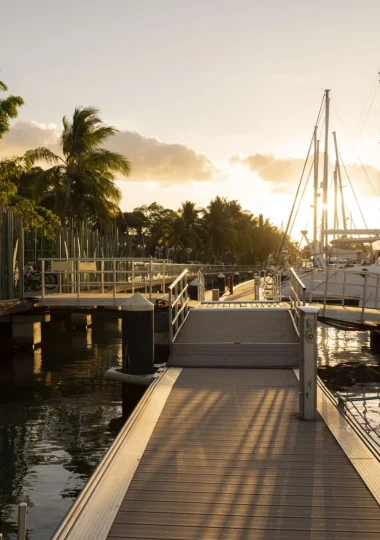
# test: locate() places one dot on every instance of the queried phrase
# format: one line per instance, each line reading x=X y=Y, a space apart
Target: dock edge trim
x=351 y=438
x=94 y=511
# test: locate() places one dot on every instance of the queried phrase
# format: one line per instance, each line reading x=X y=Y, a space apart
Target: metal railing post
x=43 y=277
x=170 y=318
x=364 y=296
x=163 y=278
x=114 y=281
x=344 y=286
x=21 y=518
x=326 y=284
x=133 y=277
x=102 y=275
x=308 y=363
x=78 y=282
x=150 y=279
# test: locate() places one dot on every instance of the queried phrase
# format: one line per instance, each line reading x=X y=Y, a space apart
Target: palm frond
x=42 y=154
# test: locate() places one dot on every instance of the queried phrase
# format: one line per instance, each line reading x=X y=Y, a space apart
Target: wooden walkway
x=230 y=459
x=217 y=451
x=238 y=338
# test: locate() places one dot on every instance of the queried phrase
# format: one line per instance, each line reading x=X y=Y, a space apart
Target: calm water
x=58 y=416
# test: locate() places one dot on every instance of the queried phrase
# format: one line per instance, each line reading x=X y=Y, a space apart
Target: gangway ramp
x=236 y=338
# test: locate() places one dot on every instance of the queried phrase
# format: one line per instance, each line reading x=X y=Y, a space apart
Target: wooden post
x=308 y=363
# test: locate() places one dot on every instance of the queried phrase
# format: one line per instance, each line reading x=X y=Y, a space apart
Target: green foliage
x=220 y=233
x=81 y=184
x=11 y=170
x=8 y=109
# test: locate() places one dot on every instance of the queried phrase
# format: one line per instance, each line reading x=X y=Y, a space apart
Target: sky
x=211 y=97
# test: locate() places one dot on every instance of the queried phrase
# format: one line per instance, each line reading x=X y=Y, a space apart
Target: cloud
x=151 y=158
x=27 y=135
x=285 y=173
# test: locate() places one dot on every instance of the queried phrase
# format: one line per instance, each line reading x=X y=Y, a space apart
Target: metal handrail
x=178 y=304
x=182 y=275
x=297 y=297
x=201 y=287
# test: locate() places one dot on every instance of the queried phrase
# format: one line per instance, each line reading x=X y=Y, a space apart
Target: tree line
x=49 y=189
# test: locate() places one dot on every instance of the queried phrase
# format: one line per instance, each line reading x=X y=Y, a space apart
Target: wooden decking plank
x=251 y=509
x=327 y=501
x=230 y=459
x=172 y=532
x=163 y=519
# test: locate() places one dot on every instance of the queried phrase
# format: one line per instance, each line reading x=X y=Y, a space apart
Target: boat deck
x=229 y=458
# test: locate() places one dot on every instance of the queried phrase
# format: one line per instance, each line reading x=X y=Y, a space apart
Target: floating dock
x=216 y=448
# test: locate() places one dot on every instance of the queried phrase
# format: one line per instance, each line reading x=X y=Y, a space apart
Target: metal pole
x=21 y=528
x=316 y=158
x=150 y=279
x=43 y=277
x=325 y=173
x=78 y=282
x=335 y=200
x=114 y=281
x=163 y=278
x=308 y=363
x=102 y=274
x=170 y=317
x=340 y=181
x=133 y=277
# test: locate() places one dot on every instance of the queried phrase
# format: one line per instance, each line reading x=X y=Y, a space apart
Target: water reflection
x=57 y=417
x=346 y=364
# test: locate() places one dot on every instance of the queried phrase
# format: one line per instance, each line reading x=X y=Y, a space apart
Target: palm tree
x=219 y=228
x=81 y=183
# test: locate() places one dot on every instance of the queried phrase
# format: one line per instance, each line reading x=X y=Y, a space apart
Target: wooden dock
x=216 y=448
x=229 y=458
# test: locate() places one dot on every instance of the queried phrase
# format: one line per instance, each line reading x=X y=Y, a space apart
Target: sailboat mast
x=336 y=225
x=325 y=172
x=337 y=166
x=316 y=161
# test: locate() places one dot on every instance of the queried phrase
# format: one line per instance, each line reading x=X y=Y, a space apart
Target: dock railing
x=297 y=297
x=118 y=275
x=344 y=286
x=178 y=304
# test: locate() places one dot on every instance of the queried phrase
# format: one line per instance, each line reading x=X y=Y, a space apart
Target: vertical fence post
x=133 y=277
x=43 y=278
x=78 y=282
x=102 y=275
x=170 y=317
x=21 y=527
x=114 y=281
x=308 y=363
x=163 y=278
x=150 y=279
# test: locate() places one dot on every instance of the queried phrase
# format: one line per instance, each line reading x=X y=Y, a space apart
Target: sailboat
x=338 y=273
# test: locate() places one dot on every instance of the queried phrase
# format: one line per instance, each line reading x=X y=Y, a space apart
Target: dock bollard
x=221 y=280
x=249 y=275
x=138 y=335
x=257 y=288
x=193 y=289
x=21 y=526
x=308 y=363
x=236 y=278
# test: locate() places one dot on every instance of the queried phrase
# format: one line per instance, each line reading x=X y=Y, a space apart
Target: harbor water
x=58 y=416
